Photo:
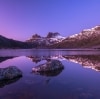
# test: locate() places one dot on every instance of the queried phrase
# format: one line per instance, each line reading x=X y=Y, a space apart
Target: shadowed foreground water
x=80 y=78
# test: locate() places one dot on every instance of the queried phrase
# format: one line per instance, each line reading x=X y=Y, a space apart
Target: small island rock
x=52 y=65
x=10 y=72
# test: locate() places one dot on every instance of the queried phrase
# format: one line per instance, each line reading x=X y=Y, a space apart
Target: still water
x=80 y=78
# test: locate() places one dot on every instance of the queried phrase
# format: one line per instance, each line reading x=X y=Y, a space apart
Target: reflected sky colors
x=73 y=82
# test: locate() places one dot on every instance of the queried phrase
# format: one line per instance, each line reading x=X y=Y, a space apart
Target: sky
x=20 y=19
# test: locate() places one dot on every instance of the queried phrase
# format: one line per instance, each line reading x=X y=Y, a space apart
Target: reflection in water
x=37 y=59
x=87 y=61
x=7 y=82
x=71 y=82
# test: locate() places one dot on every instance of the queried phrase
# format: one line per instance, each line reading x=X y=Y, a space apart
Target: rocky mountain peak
x=96 y=28
x=88 y=38
x=52 y=35
x=35 y=36
x=87 y=32
x=50 y=39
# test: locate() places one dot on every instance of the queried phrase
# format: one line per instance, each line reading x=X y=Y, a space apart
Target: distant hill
x=88 y=38
x=10 y=43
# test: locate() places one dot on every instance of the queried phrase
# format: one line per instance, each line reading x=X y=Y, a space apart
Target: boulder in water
x=52 y=65
x=9 y=73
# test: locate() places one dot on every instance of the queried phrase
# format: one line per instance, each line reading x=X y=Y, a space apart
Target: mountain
x=53 y=35
x=88 y=38
x=10 y=43
x=43 y=42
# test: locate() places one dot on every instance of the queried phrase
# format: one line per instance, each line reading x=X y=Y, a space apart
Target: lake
x=80 y=78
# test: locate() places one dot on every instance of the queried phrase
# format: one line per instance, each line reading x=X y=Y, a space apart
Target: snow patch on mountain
x=87 y=32
x=51 y=38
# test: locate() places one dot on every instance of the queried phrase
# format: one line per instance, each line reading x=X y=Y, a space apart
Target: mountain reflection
x=37 y=59
x=87 y=61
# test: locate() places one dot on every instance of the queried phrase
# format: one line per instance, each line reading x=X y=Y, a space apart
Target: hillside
x=88 y=38
x=10 y=43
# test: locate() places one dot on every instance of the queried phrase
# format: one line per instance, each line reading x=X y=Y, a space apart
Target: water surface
x=80 y=78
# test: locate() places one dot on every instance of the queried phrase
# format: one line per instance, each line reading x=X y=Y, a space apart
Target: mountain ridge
x=87 y=38
x=43 y=42
x=10 y=43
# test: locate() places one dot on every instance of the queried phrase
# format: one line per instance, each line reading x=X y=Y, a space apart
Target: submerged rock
x=50 y=66
x=9 y=73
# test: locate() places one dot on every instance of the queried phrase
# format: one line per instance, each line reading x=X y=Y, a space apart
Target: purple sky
x=20 y=19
